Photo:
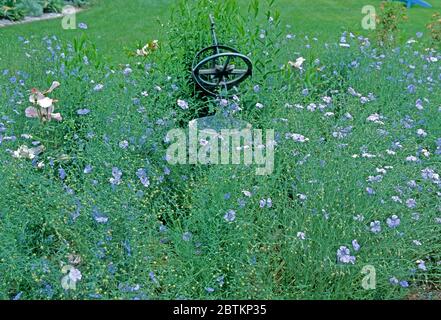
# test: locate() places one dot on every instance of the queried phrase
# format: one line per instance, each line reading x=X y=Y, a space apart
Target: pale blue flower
x=153 y=277
x=422 y=265
x=117 y=174
x=393 y=221
x=355 y=245
x=83 y=112
x=62 y=173
x=209 y=290
x=82 y=26
x=404 y=284
x=230 y=216
x=344 y=255
x=411 y=203
x=375 y=226
x=87 y=169
x=187 y=236
x=142 y=175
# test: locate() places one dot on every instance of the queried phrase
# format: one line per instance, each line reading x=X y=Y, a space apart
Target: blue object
x=419 y=2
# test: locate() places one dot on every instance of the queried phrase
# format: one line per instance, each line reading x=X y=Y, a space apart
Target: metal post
x=213 y=33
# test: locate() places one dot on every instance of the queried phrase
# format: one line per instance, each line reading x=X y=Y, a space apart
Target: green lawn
x=115 y=24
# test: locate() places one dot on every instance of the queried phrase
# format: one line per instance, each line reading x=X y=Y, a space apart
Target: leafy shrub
x=434 y=28
x=31 y=8
x=78 y=3
x=52 y=5
x=389 y=20
x=18 y=9
x=10 y=10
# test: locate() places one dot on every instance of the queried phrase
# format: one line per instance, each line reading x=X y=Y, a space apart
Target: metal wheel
x=222 y=70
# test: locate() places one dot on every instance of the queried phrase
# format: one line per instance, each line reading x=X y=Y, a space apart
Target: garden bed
x=28 y=19
x=22 y=11
x=95 y=211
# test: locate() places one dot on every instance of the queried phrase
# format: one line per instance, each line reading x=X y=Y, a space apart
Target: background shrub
x=9 y=9
x=31 y=8
x=18 y=9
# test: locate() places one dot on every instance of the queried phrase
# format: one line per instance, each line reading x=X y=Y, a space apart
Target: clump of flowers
x=148 y=49
x=116 y=176
x=375 y=226
x=24 y=152
x=43 y=106
x=297 y=137
x=344 y=255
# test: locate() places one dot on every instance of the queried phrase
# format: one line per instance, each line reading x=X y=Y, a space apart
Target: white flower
x=246 y=193
x=327 y=99
x=425 y=153
x=45 y=102
x=421 y=133
x=31 y=112
x=27 y=153
x=54 y=86
x=182 y=104
x=75 y=275
x=56 y=116
x=298 y=63
x=390 y=152
x=35 y=96
x=143 y=52
x=124 y=144
x=297 y=137
x=354 y=93
x=302 y=197
x=375 y=118
x=301 y=235
x=411 y=159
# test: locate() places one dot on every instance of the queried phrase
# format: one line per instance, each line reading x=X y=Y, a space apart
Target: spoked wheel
x=217 y=69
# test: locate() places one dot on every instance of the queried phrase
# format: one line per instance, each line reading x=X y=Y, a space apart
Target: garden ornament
x=218 y=68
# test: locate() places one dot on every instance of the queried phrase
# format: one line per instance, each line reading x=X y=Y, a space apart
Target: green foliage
x=17 y=9
x=31 y=8
x=52 y=5
x=79 y=3
x=10 y=10
x=389 y=22
x=434 y=28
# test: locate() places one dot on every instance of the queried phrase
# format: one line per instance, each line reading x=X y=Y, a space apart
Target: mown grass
x=116 y=24
x=170 y=239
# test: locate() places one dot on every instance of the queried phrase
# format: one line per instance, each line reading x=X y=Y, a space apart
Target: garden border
x=46 y=16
